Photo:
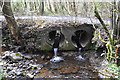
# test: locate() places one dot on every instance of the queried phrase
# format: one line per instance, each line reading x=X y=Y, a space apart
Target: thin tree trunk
x=42 y=11
x=86 y=9
x=55 y=7
x=35 y=6
x=8 y=14
x=118 y=37
x=49 y=5
x=74 y=4
x=118 y=22
x=25 y=4
x=114 y=23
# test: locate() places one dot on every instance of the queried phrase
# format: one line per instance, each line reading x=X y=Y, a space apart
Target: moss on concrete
x=68 y=46
x=46 y=47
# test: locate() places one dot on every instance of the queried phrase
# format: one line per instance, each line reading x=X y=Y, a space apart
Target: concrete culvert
x=56 y=38
x=80 y=38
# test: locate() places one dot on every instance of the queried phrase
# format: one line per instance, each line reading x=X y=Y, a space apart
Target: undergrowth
x=2 y=75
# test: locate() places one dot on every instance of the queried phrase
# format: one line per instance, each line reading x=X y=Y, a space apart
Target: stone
x=40 y=66
x=1 y=67
x=27 y=62
x=48 y=57
x=37 y=71
x=27 y=57
x=42 y=57
x=54 y=68
x=29 y=67
x=69 y=70
x=24 y=66
x=1 y=63
x=18 y=73
x=10 y=73
x=80 y=58
x=0 y=59
x=9 y=68
x=33 y=66
x=9 y=76
x=13 y=65
x=13 y=77
x=75 y=70
x=30 y=75
x=20 y=54
x=66 y=70
x=15 y=57
x=46 y=62
x=43 y=70
x=10 y=62
x=35 y=55
x=34 y=73
x=31 y=61
x=6 y=54
x=69 y=54
x=20 y=63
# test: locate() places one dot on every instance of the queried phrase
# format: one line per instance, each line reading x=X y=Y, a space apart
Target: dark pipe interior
x=80 y=38
x=56 y=38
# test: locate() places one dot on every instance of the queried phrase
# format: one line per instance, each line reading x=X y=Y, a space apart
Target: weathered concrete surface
x=67 y=31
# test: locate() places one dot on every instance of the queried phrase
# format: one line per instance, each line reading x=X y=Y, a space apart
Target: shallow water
x=69 y=68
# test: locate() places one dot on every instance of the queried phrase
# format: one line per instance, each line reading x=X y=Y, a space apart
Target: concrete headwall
x=67 y=40
x=72 y=35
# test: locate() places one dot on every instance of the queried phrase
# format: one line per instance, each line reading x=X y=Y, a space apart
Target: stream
x=70 y=67
x=75 y=64
x=38 y=65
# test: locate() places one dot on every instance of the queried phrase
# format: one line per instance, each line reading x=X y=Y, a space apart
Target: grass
x=113 y=69
x=2 y=75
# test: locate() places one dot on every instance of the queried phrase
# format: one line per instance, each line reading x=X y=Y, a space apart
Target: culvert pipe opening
x=56 y=38
x=80 y=38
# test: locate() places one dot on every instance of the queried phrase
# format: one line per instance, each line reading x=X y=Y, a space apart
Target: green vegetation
x=112 y=63
x=18 y=54
x=46 y=47
x=2 y=75
x=113 y=70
